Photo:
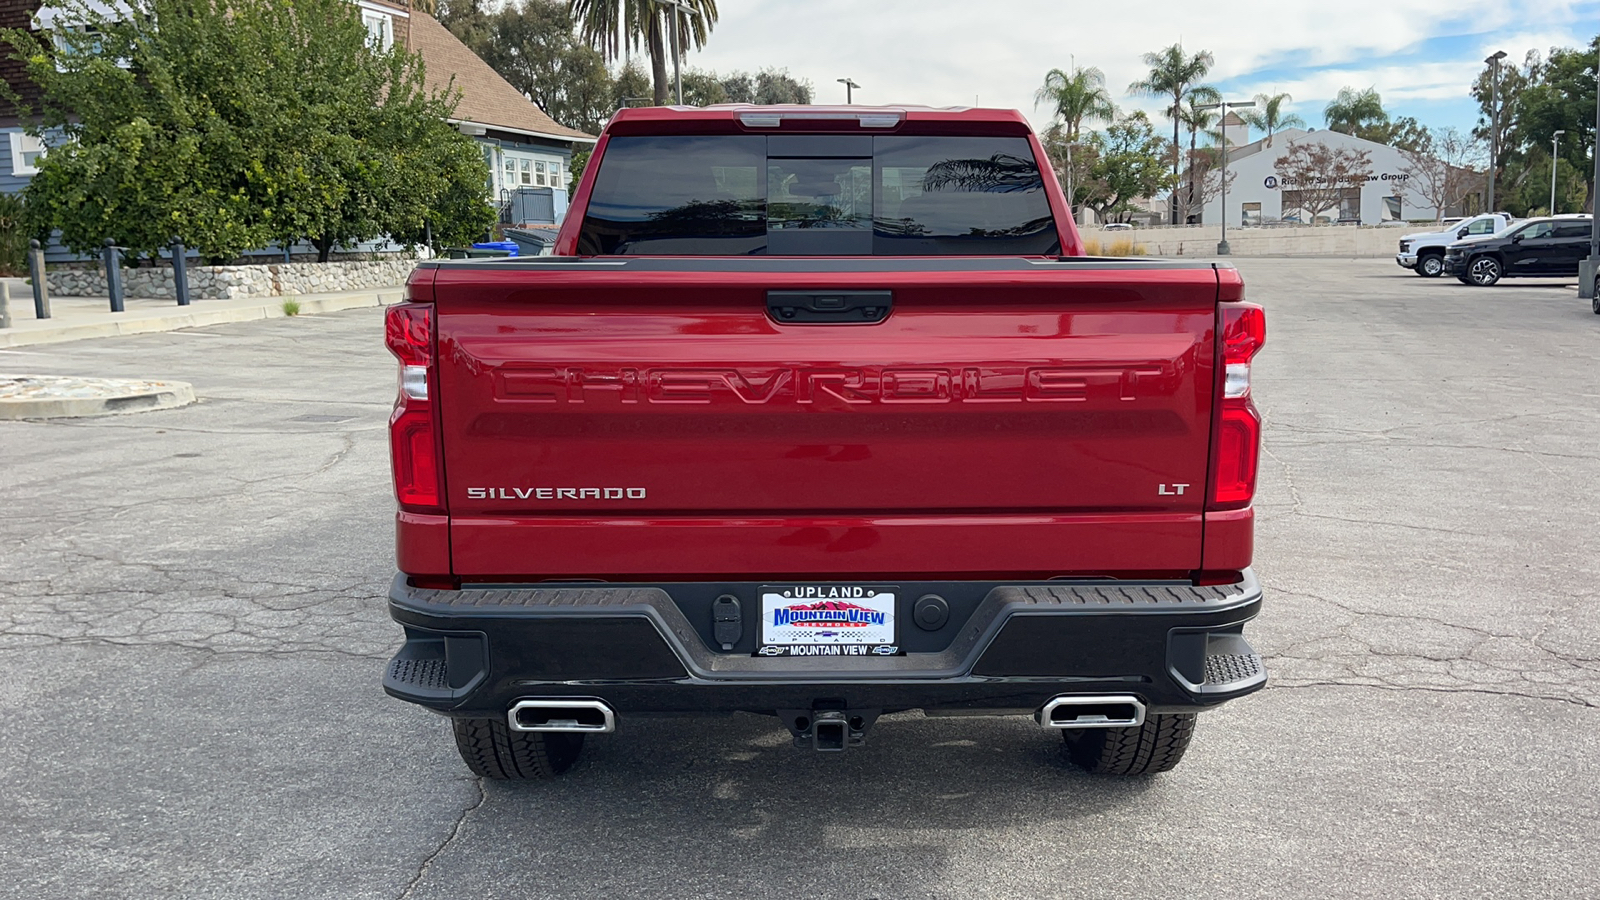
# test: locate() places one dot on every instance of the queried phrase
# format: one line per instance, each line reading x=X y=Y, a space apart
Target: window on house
x=380 y=29
x=541 y=173
x=26 y=151
x=555 y=176
x=509 y=167
x=525 y=171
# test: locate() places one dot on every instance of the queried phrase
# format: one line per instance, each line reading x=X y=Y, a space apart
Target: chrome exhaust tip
x=562 y=715
x=1093 y=711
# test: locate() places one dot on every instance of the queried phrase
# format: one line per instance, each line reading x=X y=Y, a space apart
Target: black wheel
x=1463 y=278
x=492 y=750
x=1431 y=265
x=1594 y=304
x=1155 y=746
x=1483 y=271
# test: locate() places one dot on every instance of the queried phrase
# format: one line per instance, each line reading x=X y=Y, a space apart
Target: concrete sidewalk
x=75 y=318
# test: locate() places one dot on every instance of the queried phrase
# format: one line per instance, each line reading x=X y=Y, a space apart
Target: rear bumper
x=476 y=652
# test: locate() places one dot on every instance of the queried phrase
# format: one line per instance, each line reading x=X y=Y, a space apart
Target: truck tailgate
x=1007 y=416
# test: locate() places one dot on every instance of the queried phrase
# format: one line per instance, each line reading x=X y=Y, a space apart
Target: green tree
x=701 y=88
x=1130 y=163
x=1406 y=133
x=767 y=87
x=1558 y=95
x=631 y=87
x=1513 y=82
x=1351 y=110
x=1197 y=120
x=1076 y=98
x=158 y=130
x=612 y=27
x=534 y=46
x=1072 y=161
x=468 y=20
x=1174 y=74
x=1270 y=115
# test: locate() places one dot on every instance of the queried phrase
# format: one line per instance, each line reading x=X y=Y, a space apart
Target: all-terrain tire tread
x=1156 y=746
x=492 y=750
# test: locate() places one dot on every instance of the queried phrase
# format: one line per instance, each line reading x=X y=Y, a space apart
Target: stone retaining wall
x=236 y=282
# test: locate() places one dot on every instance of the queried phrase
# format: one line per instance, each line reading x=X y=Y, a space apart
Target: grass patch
x=1118 y=247
x=291 y=307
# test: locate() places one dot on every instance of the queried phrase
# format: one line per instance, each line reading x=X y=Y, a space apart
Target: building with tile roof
x=529 y=154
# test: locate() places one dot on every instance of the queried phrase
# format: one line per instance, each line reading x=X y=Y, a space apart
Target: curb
x=105 y=397
x=190 y=317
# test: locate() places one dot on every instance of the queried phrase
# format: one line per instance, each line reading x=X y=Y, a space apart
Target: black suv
x=1538 y=248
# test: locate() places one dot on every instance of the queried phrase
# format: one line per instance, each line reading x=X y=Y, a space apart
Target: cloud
x=995 y=53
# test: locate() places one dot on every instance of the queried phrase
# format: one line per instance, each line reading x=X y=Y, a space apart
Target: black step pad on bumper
x=1172 y=643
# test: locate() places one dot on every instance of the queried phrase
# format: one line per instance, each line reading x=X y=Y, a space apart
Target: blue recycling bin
x=509 y=246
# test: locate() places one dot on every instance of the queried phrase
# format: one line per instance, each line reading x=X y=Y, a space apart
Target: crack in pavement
x=1394 y=688
x=1458 y=657
x=455 y=831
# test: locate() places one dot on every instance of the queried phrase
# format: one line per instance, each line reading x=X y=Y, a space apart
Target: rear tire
x=492 y=750
x=1155 y=746
x=1431 y=265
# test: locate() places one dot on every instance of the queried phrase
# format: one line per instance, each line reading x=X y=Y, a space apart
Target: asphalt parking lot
x=192 y=634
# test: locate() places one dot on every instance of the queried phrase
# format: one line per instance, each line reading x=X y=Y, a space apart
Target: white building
x=1256 y=197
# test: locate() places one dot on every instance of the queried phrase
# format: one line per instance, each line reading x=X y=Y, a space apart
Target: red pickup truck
x=823 y=413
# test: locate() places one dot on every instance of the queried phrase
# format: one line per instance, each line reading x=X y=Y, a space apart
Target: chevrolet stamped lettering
x=920 y=384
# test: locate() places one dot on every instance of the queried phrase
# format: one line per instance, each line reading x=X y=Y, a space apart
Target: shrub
x=1117 y=247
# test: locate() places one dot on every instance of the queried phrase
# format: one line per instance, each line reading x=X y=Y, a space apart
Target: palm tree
x=1174 y=74
x=612 y=27
x=1198 y=121
x=1077 y=97
x=1269 y=115
x=1353 y=111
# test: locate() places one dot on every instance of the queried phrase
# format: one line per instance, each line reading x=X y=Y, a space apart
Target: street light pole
x=850 y=88
x=1222 y=246
x=1494 y=122
x=1555 y=147
x=1590 y=269
x=677 y=73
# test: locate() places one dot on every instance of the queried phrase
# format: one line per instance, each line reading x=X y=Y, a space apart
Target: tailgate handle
x=829 y=307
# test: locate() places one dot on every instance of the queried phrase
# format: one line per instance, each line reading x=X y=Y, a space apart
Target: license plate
x=827 y=620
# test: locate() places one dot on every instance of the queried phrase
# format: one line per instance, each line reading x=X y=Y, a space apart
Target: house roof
x=486 y=98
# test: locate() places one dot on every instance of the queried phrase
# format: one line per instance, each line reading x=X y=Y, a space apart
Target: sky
x=1421 y=55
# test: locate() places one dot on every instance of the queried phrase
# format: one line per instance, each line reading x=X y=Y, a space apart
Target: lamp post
x=850 y=87
x=1222 y=246
x=1555 y=147
x=1494 y=122
x=678 y=6
x=1591 y=267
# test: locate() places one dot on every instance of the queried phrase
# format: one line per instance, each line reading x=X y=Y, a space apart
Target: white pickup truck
x=1423 y=252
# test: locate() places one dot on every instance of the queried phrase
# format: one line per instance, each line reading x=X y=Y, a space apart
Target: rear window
x=819 y=195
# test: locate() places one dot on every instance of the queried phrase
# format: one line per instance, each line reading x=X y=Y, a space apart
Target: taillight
x=413 y=429
x=1241 y=330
